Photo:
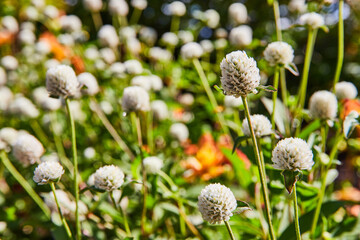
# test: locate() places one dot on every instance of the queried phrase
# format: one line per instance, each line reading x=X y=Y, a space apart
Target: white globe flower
x=345 y=90
x=27 y=149
x=118 y=8
x=220 y=44
x=232 y=102
x=221 y=33
x=6 y=97
x=156 y=83
x=297 y=6
x=89 y=153
x=90 y=82
x=108 y=178
x=207 y=46
x=41 y=97
x=93 y=5
x=292 y=154
x=160 y=110
x=61 y=81
x=148 y=35
x=135 y=99
x=133 y=66
x=191 y=50
x=170 y=39
x=139 y=4
x=159 y=54
x=177 y=8
x=212 y=18
x=70 y=23
x=117 y=69
x=24 y=107
x=9 y=62
x=260 y=124
x=133 y=45
x=108 y=55
x=279 y=53
x=153 y=165
x=185 y=36
x=127 y=32
x=9 y=135
x=49 y=171
x=238 y=13
x=51 y=12
x=108 y=37
x=3 y=77
x=216 y=203
x=92 y=53
x=27 y=36
x=51 y=63
x=312 y=20
x=9 y=23
x=323 y=104
x=241 y=36
x=179 y=131
x=141 y=81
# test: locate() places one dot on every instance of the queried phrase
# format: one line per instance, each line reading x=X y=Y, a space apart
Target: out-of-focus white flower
x=135 y=99
x=133 y=45
x=90 y=82
x=27 y=149
x=76 y=110
x=185 y=36
x=51 y=12
x=39 y=4
x=292 y=154
x=260 y=124
x=66 y=39
x=139 y=4
x=91 y=180
x=141 y=81
x=148 y=35
x=221 y=33
x=297 y=6
x=186 y=99
x=107 y=36
x=191 y=50
x=133 y=66
x=312 y=20
x=27 y=25
x=207 y=45
x=238 y=13
x=9 y=62
x=3 y=77
x=117 y=69
x=108 y=55
x=118 y=7
x=159 y=54
x=177 y=8
x=169 y=39
x=89 y=153
x=241 y=36
x=92 y=53
x=93 y=5
x=211 y=18
x=179 y=131
x=9 y=23
x=61 y=81
x=9 y=135
x=46 y=172
x=127 y=33
x=240 y=75
x=43 y=47
x=160 y=110
x=24 y=107
x=51 y=63
x=153 y=165
x=106 y=107
x=279 y=53
x=26 y=36
x=31 y=13
x=216 y=203
x=70 y=23
x=6 y=97
x=52 y=157
x=156 y=83
x=232 y=102
x=221 y=44
x=100 y=64
x=343 y=90
x=323 y=104
x=109 y=178
x=41 y=97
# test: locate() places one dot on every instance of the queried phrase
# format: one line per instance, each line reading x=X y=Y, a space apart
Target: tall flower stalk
x=296 y=211
x=340 y=44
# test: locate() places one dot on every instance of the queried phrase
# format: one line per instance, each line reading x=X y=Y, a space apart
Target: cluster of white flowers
x=179 y=131
x=241 y=36
x=49 y=171
x=323 y=104
x=108 y=178
x=345 y=90
x=90 y=82
x=61 y=81
x=191 y=50
x=260 y=123
x=27 y=149
x=312 y=20
x=135 y=99
x=238 y=13
x=153 y=165
x=279 y=53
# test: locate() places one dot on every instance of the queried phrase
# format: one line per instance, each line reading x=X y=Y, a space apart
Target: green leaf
x=241 y=207
x=266 y=88
x=238 y=140
x=310 y=129
x=290 y=178
x=350 y=122
x=270 y=2
x=220 y=90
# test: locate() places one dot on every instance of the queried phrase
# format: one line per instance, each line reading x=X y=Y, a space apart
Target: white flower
x=323 y=104
x=345 y=90
x=43 y=47
x=127 y=33
x=240 y=75
x=292 y=154
x=241 y=36
x=238 y=13
x=27 y=149
x=118 y=8
x=260 y=124
x=70 y=23
x=139 y=4
x=297 y=6
x=185 y=36
x=141 y=81
x=49 y=171
x=135 y=99
x=107 y=36
x=27 y=25
x=108 y=55
x=24 y=107
x=153 y=165
x=216 y=203
x=51 y=63
x=221 y=44
x=51 y=12
x=9 y=62
x=312 y=20
x=279 y=53
x=61 y=81
x=9 y=23
x=66 y=39
x=170 y=39
x=156 y=83
x=41 y=97
x=117 y=69
x=109 y=178
x=27 y=36
x=92 y=53
x=3 y=78
x=179 y=131
x=221 y=33
x=9 y=135
x=133 y=45
x=106 y=107
x=148 y=35
x=93 y=5
x=207 y=45
x=6 y=97
x=89 y=153
x=133 y=66
x=232 y=102
x=90 y=82
x=186 y=99
x=160 y=110
x=212 y=18
x=39 y=4
x=191 y=50
x=159 y=54
x=31 y=13
x=177 y=8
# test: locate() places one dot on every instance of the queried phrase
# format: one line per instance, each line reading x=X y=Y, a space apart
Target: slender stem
x=261 y=169
x=274 y=98
x=119 y=208
x=232 y=237
x=210 y=94
x=340 y=44
x=97 y=20
x=187 y=221
x=277 y=20
x=237 y=122
x=175 y=24
x=10 y=167
x=34 y=124
x=284 y=99
x=149 y=131
x=168 y=180
x=63 y=220
x=135 y=16
x=297 y=226
x=74 y=153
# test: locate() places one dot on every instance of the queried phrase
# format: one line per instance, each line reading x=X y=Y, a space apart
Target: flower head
x=323 y=104
x=108 y=178
x=41 y=97
x=153 y=165
x=118 y=7
x=241 y=36
x=260 y=124
x=160 y=110
x=27 y=149
x=108 y=37
x=238 y=13
x=191 y=50
x=345 y=90
x=49 y=171
x=139 y=4
x=61 y=81
x=93 y=5
x=312 y=20
x=240 y=75
x=216 y=203
x=135 y=99
x=177 y=8
x=179 y=131
x=90 y=82
x=292 y=154
x=279 y=53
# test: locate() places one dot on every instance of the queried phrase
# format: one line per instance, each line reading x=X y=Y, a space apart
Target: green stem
x=63 y=220
x=119 y=208
x=175 y=24
x=168 y=180
x=277 y=19
x=261 y=169
x=149 y=131
x=74 y=153
x=340 y=45
x=210 y=94
x=135 y=16
x=284 y=99
x=24 y=184
x=274 y=98
x=297 y=226
x=232 y=237
x=97 y=20
x=39 y=132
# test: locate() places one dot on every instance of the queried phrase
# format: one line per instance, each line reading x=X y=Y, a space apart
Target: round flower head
x=345 y=90
x=51 y=12
x=160 y=110
x=292 y=154
x=133 y=66
x=27 y=149
x=323 y=104
x=279 y=53
x=135 y=99
x=139 y=4
x=216 y=203
x=185 y=36
x=312 y=20
x=156 y=82
x=41 y=97
x=240 y=75
x=232 y=102
x=153 y=165
x=93 y=5
x=117 y=69
x=148 y=35
x=23 y=107
x=49 y=171
x=159 y=54
x=109 y=178
x=9 y=23
x=141 y=81
x=179 y=131
x=177 y=8
x=90 y=82
x=170 y=39
x=238 y=13
x=207 y=45
x=6 y=97
x=241 y=36
x=191 y=50
x=260 y=124
x=9 y=62
x=61 y=81
x=297 y=6
x=118 y=7
x=9 y=135
x=108 y=55
x=212 y=18
x=108 y=37
x=3 y=78
x=70 y=23
x=27 y=36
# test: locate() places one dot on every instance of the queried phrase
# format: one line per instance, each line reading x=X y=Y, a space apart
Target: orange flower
x=350 y=194
x=6 y=37
x=60 y=51
x=348 y=106
x=78 y=64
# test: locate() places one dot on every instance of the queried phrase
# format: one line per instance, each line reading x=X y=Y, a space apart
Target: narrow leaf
x=350 y=122
x=290 y=178
x=238 y=140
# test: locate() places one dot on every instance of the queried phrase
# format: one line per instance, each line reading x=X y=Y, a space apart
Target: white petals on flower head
x=108 y=37
x=10 y=24
x=345 y=90
x=109 y=178
x=148 y=35
x=61 y=81
x=297 y=6
x=238 y=13
x=191 y=50
x=170 y=39
x=41 y=97
x=90 y=82
x=260 y=124
x=185 y=36
x=23 y=107
x=3 y=77
x=179 y=131
x=160 y=110
x=232 y=102
x=133 y=66
x=118 y=8
x=108 y=55
x=312 y=20
x=9 y=135
x=207 y=45
x=323 y=104
x=279 y=53
x=27 y=149
x=292 y=154
x=212 y=18
x=70 y=23
x=216 y=203
x=177 y=8
x=159 y=54
x=240 y=75
x=241 y=36
x=93 y=5
x=9 y=62
x=6 y=97
x=135 y=99
x=49 y=171
x=139 y=4
x=141 y=81
x=153 y=165
x=51 y=12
